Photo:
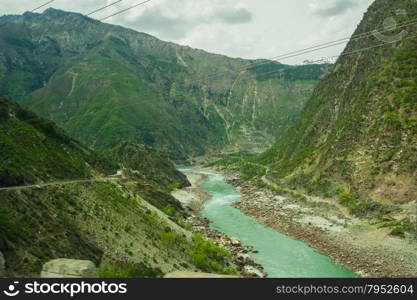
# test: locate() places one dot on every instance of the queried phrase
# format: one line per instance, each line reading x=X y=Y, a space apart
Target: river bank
x=192 y=199
x=355 y=244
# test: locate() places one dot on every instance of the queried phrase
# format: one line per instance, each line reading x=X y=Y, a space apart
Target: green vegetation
x=32 y=148
x=129 y=270
x=244 y=165
x=359 y=207
x=210 y=257
x=401 y=227
x=153 y=175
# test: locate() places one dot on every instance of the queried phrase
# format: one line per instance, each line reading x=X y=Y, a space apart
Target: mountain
x=106 y=84
x=59 y=199
x=356 y=139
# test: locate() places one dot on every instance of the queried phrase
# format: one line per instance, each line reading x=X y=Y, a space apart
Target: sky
x=237 y=28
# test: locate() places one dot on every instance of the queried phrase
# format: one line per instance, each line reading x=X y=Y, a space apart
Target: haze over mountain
x=105 y=84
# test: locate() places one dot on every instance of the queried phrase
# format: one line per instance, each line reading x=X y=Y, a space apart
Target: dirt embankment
x=353 y=243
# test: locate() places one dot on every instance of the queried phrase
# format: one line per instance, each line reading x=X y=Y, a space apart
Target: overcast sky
x=237 y=28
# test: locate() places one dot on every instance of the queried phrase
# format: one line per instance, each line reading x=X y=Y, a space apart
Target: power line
x=104 y=7
x=319 y=47
x=360 y=50
x=344 y=54
x=351 y=52
x=35 y=9
x=126 y=9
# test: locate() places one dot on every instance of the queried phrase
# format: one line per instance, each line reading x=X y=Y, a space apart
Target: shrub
x=129 y=270
x=398 y=231
x=359 y=207
x=169 y=210
x=209 y=257
x=170 y=238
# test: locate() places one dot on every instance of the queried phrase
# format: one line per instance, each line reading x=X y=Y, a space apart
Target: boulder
x=244 y=258
x=69 y=268
x=251 y=271
x=234 y=242
x=2 y=266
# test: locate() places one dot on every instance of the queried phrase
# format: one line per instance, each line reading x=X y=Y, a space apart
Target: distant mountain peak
x=52 y=10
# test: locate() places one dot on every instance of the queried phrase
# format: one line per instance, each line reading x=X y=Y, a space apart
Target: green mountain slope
x=154 y=177
x=77 y=211
x=106 y=84
x=31 y=148
x=356 y=138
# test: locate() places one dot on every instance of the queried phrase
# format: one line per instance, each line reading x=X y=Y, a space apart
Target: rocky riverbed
x=355 y=244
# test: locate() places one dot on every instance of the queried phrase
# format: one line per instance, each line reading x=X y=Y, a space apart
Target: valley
x=152 y=159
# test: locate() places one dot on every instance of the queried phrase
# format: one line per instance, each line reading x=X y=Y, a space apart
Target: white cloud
x=333 y=8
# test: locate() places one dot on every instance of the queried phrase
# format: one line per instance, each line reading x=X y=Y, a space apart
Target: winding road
x=62 y=182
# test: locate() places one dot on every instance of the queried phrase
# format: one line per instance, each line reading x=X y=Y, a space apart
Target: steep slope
x=154 y=176
x=356 y=138
x=75 y=211
x=105 y=84
x=31 y=148
x=146 y=164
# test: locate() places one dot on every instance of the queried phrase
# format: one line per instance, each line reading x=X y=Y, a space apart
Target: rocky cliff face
x=356 y=138
x=105 y=84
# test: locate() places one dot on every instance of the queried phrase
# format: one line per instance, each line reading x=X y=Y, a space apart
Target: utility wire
x=126 y=9
x=35 y=9
x=319 y=47
x=104 y=7
x=346 y=53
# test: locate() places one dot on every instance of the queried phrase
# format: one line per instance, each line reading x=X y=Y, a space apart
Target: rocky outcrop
x=69 y=268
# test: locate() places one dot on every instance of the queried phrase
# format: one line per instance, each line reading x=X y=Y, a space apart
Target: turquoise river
x=280 y=255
